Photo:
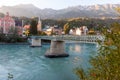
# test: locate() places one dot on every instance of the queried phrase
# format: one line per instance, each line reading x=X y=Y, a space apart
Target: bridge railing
x=85 y=38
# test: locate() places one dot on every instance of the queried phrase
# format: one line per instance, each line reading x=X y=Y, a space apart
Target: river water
x=26 y=63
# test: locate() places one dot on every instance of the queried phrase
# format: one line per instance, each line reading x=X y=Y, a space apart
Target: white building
x=85 y=30
x=71 y=32
x=78 y=31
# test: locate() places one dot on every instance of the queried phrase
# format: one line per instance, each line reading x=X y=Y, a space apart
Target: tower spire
x=39 y=27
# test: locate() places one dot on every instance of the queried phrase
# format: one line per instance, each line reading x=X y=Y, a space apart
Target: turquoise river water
x=26 y=63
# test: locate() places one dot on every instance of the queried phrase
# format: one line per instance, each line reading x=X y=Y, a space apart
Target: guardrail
x=85 y=38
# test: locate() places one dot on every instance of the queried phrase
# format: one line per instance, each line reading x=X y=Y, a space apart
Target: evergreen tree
x=33 y=27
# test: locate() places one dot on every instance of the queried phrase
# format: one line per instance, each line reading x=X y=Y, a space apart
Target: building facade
x=6 y=23
x=79 y=31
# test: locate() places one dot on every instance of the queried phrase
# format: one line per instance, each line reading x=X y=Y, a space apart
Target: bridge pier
x=56 y=50
x=35 y=42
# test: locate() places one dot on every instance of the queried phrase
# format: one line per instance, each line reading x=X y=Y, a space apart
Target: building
x=39 y=25
x=49 y=30
x=72 y=31
x=25 y=30
x=85 y=30
x=79 y=31
x=6 y=23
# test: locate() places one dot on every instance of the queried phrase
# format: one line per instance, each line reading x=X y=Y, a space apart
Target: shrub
x=41 y=33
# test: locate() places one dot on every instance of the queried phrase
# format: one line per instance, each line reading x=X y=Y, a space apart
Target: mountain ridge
x=29 y=10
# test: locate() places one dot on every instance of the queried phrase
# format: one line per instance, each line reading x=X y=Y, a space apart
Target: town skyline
x=55 y=4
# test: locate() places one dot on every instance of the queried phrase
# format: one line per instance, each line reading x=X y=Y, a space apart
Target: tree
x=2 y=15
x=106 y=65
x=118 y=10
x=33 y=27
x=66 y=28
x=1 y=30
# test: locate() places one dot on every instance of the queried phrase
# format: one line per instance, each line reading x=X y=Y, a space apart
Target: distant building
x=19 y=26
x=25 y=29
x=85 y=30
x=57 y=30
x=6 y=23
x=52 y=29
x=39 y=25
x=79 y=31
x=72 y=31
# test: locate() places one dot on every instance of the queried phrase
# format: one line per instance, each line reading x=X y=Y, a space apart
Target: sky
x=56 y=4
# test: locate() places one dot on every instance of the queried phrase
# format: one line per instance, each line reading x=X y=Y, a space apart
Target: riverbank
x=17 y=43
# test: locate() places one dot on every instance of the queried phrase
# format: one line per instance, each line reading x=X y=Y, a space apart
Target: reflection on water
x=26 y=63
x=76 y=48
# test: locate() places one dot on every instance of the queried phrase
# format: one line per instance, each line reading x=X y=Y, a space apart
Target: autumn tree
x=66 y=28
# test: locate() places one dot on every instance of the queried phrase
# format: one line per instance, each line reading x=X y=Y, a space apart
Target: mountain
x=29 y=10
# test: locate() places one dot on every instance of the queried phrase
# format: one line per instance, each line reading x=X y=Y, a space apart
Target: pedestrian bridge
x=83 y=38
x=57 y=43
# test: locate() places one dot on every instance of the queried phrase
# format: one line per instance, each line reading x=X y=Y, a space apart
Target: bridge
x=84 y=38
x=57 y=42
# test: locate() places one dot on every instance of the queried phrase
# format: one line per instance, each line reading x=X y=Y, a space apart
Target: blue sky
x=56 y=4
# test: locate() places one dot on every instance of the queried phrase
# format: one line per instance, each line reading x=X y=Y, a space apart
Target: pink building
x=6 y=23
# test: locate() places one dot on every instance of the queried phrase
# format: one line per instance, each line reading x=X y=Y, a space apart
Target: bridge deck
x=85 y=38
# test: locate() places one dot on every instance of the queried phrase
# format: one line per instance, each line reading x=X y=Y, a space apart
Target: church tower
x=39 y=25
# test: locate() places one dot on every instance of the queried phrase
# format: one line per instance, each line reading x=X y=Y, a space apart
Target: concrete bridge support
x=56 y=50
x=36 y=42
